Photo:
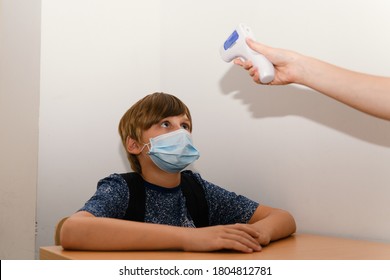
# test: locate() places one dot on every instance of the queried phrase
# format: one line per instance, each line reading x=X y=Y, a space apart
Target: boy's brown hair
x=146 y=112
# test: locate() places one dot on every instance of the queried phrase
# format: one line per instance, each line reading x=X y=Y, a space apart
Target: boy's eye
x=185 y=126
x=165 y=124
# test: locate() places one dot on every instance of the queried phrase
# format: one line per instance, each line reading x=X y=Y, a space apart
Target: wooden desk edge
x=295 y=247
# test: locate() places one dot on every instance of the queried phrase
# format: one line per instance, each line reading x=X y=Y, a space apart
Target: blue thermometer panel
x=231 y=40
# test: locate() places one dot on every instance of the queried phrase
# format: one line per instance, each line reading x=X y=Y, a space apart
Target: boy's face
x=166 y=125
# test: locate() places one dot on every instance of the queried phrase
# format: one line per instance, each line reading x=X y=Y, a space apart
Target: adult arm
x=364 y=92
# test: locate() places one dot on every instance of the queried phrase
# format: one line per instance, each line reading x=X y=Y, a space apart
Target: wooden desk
x=296 y=247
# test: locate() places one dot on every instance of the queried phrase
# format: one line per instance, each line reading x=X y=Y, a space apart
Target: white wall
x=284 y=146
x=19 y=109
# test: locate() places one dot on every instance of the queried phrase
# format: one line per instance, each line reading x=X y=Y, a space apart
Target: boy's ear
x=133 y=146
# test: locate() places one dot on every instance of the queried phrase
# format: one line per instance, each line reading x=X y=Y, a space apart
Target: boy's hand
x=239 y=237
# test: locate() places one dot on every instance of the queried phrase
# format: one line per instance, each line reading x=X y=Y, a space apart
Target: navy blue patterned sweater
x=168 y=205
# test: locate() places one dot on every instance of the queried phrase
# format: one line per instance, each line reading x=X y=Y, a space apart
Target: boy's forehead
x=183 y=116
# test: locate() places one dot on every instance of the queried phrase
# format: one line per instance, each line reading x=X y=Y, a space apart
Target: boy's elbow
x=287 y=223
x=293 y=224
x=68 y=239
x=290 y=222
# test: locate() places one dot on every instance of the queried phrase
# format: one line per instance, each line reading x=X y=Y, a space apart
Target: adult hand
x=284 y=61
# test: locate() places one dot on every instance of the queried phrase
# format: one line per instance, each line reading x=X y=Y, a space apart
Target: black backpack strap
x=195 y=199
x=192 y=190
x=136 y=209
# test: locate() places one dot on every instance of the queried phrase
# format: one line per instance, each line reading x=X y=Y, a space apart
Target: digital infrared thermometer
x=236 y=47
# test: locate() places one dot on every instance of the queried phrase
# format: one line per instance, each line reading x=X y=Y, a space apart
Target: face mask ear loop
x=145 y=145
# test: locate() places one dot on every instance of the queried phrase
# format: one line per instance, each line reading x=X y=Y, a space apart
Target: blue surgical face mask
x=172 y=152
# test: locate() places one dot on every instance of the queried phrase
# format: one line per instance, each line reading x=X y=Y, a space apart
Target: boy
x=156 y=135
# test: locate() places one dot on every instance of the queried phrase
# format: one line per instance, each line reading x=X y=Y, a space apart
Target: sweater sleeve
x=110 y=199
x=226 y=207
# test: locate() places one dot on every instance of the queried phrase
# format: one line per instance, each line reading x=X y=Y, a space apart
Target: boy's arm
x=83 y=231
x=272 y=224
